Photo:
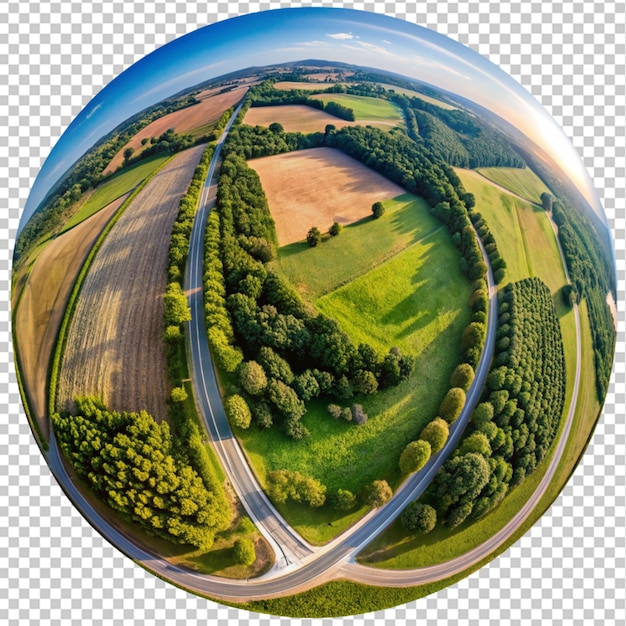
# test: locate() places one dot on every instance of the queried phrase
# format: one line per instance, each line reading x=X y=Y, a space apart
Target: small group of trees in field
x=498 y=264
x=354 y=414
x=145 y=471
x=513 y=426
x=283 y=485
x=315 y=236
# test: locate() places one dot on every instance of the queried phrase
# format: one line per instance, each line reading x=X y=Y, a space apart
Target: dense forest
x=141 y=469
x=522 y=404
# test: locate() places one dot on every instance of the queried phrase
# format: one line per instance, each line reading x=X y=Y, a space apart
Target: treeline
x=516 y=421
x=592 y=274
x=86 y=174
x=266 y=94
x=175 y=302
x=168 y=142
x=139 y=468
x=290 y=355
x=498 y=264
x=458 y=138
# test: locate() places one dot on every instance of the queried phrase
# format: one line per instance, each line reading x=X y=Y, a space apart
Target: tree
x=335 y=411
x=238 y=411
x=128 y=153
x=452 y=404
x=419 y=518
x=378 y=209
x=462 y=376
x=436 y=434
x=364 y=382
x=335 y=229
x=176 y=308
x=377 y=493
x=546 y=201
x=252 y=378
x=482 y=414
x=359 y=417
x=244 y=551
x=344 y=500
x=414 y=456
x=314 y=237
x=478 y=443
x=276 y=128
x=178 y=394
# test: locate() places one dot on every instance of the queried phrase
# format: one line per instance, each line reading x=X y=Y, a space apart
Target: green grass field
x=416 y=94
x=366 y=108
x=115 y=187
x=523 y=182
x=416 y=300
x=405 y=302
x=358 y=248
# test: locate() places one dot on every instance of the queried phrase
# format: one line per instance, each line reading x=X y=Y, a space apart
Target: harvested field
x=294 y=118
x=114 y=346
x=206 y=112
x=318 y=187
x=43 y=301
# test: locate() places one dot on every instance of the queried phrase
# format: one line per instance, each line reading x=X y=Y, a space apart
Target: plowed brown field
x=318 y=187
x=294 y=118
x=114 y=346
x=43 y=301
x=207 y=111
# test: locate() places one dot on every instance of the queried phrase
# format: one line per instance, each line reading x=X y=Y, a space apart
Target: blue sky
x=348 y=36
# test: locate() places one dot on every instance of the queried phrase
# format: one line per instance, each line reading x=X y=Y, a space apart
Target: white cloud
x=342 y=36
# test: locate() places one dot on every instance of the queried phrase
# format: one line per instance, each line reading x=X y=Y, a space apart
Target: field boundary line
x=54 y=372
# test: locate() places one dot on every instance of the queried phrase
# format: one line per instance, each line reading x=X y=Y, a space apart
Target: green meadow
x=523 y=182
x=365 y=107
x=357 y=249
x=115 y=187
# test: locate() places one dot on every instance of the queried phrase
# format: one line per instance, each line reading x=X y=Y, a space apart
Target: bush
x=419 y=518
x=314 y=237
x=344 y=500
x=244 y=551
x=452 y=405
x=238 y=411
x=335 y=411
x=414 y=456
x=178 y=394
x=335 y=229
x=377 y=493
x=462 y=376
x=252 y=378
x=359 y=417
x=436 y=434
x=378 y=210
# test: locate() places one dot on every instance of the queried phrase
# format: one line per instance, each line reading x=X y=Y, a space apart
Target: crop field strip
x=317 y=187
x=186 y=120
x=43 y=301
x=294 y=118
x=114 y=348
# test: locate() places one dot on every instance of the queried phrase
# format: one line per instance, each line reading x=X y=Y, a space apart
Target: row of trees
x=300 y=355
x=283 y=485
x=176 y=307
x=140 y=468
x=593 y=275
x=498 y=264
x=517 y=419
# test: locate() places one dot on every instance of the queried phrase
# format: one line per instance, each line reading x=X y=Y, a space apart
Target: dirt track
x=114 y=347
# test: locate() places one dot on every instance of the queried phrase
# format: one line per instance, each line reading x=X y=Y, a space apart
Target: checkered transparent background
x=54 y=57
